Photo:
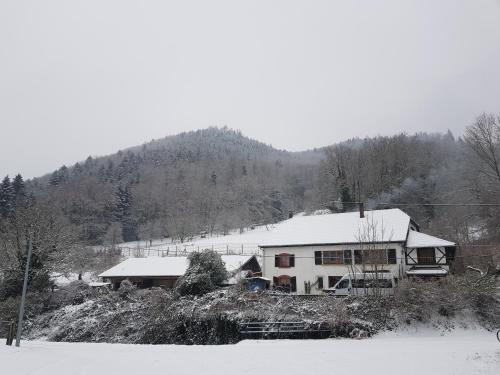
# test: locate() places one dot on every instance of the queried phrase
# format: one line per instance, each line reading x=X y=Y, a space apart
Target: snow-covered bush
x=74 y=293
x=205 y=273
x=157 y=316
x=126 y=289
x=448 y=297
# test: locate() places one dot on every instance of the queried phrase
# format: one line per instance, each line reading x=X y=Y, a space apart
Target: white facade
x=406 y=251
x=305 y=269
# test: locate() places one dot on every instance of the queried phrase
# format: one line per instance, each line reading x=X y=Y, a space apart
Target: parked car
x=364 y=283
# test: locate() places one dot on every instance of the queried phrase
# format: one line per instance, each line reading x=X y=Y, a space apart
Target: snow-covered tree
x=205 y=273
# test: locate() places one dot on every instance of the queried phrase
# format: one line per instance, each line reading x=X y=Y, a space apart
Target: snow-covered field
x=458 y=352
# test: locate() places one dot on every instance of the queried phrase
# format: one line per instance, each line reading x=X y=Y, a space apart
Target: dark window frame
x=333 y=257
x=424 y=259
x=279 y=260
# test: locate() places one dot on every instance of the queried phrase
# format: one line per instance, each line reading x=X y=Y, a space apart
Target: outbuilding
x=165 y=271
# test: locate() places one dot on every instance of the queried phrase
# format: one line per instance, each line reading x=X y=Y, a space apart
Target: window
x=426 y=255
x=378 y=283
x=333 y=257
x=358 y=283
x=332 y=280
x=375 y=256
x=284 y=260
x=320 y=282
x=347 y=257
x=285 y=283
x=318 y=260
x=343 y=284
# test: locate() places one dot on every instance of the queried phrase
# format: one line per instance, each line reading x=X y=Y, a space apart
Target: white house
x=308 y=254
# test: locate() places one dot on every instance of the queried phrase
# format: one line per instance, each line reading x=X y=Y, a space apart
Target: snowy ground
x=459 y=352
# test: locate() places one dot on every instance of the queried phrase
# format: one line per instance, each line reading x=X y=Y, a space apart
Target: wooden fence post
x=10 y=333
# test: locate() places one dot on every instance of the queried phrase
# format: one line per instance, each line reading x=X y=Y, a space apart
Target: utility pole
x=23 y=297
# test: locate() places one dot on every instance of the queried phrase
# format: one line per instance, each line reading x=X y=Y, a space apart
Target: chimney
x=361 y=210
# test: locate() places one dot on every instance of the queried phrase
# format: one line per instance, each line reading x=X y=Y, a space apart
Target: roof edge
x=331 y=243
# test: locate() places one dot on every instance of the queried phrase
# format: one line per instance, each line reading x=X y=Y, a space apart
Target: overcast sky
x=81 y=78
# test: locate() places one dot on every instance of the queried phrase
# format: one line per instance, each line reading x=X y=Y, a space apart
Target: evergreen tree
x=276 y=206
x=346 y=199
x=124 y=214
x=54 y=179
x=19 y=186
x=19 y=190
x=101 y=173
x=77 y=170
x=7 y=197
x=205 y=273
x=63 y=175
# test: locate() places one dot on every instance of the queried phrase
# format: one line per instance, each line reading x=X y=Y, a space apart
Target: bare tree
x=372 y=257
x=484 y=139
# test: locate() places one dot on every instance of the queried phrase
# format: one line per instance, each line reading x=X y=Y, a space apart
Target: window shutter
x=347 y=257
x=293 y=282
x=292 y=260
x=317 y=258
x=276 y=261
x=391 y=256
x=320 y=282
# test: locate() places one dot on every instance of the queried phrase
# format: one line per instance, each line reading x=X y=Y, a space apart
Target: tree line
x=215 y=180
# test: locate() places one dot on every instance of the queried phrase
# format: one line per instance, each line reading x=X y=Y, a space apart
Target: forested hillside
x=214 y=180
x=207 y=180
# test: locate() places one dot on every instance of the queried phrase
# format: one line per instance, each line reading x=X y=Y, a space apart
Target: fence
x=283 y=330
x=182 y=250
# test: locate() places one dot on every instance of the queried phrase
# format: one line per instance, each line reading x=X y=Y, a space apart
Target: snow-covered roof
x=235 y=262
x=97 y=284
x=152 y=266
x=417 y=240
x=167 y=266
x=389 y=226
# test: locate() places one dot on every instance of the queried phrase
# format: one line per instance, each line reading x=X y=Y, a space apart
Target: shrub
x=417 y=300
x=126 y=289
x=205 y=273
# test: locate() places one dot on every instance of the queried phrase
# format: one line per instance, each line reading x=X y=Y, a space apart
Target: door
x=285 y=283
x=426 y=256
